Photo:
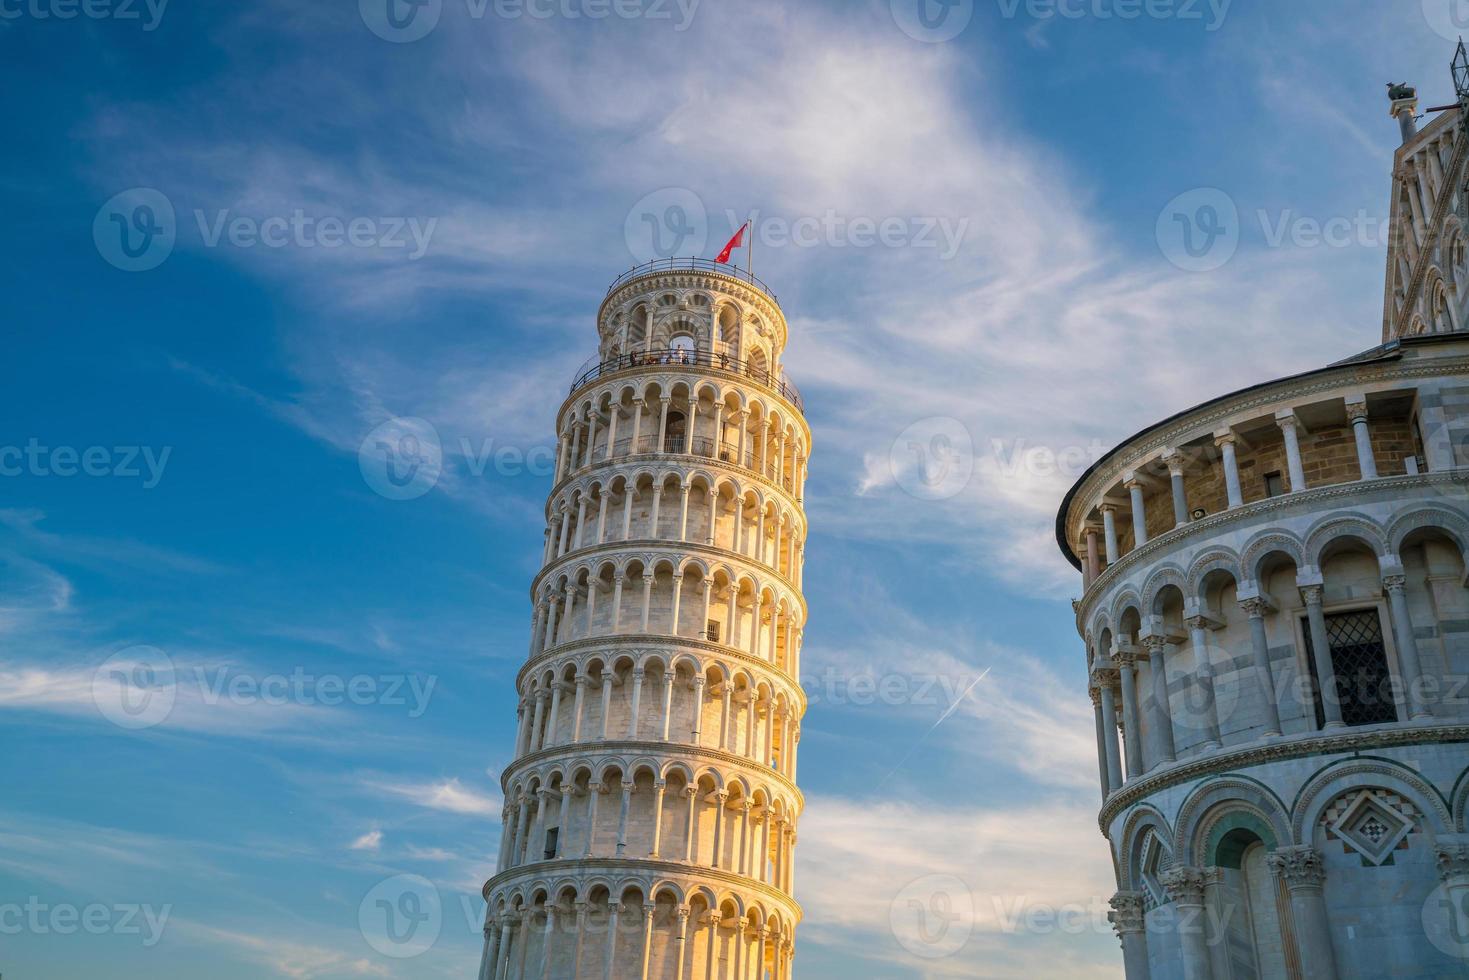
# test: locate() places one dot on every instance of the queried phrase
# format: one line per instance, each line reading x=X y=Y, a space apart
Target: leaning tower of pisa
x=651 y=807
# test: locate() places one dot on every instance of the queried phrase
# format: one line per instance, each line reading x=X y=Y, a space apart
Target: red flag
x=737 y=241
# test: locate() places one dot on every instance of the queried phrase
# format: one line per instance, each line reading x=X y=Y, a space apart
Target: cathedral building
x=1275 y=610
x=651 y=805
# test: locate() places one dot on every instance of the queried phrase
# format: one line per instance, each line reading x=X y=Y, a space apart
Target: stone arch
x=1212 y=560
x=1160 y=579
x=1263 y=546
x=1344 y=527
x=1460 y=798
x=1143 y=818
x=1362 y=773
x=1452 y=524
x=1213 y=802
x=1126 y=600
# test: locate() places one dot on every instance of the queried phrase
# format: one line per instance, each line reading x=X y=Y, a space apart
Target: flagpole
x=750 y=252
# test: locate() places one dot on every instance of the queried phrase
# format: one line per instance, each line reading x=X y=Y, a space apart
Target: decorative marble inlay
x=1370 y=823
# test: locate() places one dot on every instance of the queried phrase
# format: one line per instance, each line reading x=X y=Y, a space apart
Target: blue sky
x=227 y=525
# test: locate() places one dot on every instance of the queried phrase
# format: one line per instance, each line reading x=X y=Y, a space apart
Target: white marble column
x=660 y=787
x=594 y=791
x=1106 y=677
x=1109 y=533
x=580 y=683
x=1174 y=462
x=1321 y=654
x=1185 y=886
x=638 y=676
x=1198 y=630
x=677 y=600
x=626 y=807
x=1226 y=440
x=1126 y=661
x=1395 y=585
x=1357 y=413
x=1102 y=775
x=1158 y=648
x=647 y=602
x=1128 y=919
x=1256 y=607
x=663 y=421
x=1289 y=423
x=1304 y=875
x=1139 y=514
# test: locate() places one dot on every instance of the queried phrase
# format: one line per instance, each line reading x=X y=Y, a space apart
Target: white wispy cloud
x=371 y=841
x=288 y=958
x=862 y=861
x=446 y=796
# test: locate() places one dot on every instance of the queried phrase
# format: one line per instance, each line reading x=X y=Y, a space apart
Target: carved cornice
x=639 y=462
x=1275 y=750
x=664 y=548
x=671 y=373
x=632 y=643
x=597 y=753
x=644 y=872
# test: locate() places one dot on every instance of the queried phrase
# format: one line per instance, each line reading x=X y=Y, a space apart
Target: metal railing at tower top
x=688 y=357
x=693 y=265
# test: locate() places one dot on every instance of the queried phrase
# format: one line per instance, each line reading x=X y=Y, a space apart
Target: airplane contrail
x=942 y=718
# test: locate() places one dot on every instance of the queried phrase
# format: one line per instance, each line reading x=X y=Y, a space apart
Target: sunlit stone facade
x=1275 y=611
x=652 y=809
